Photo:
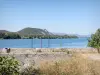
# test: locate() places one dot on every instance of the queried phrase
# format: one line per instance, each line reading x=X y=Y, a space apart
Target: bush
x=94 y=41
x=9 y=66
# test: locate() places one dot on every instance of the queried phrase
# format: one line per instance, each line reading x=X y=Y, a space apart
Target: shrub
x=9 y=66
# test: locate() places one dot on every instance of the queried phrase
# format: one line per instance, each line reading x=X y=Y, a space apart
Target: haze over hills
x=58 y=33
x=71 y=34
x=83 y=35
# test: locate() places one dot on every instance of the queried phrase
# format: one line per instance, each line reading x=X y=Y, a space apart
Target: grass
x=77 y=65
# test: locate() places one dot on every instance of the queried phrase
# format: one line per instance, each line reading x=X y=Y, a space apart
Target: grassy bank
x=56 y=61
x=77 y=65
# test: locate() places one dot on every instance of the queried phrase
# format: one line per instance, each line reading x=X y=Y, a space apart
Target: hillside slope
x=28 y=30
x=4 y=31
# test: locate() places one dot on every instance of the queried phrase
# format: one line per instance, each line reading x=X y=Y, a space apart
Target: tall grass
x=77 y=65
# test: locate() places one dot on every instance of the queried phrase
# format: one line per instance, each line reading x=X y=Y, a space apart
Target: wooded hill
x=32 y=33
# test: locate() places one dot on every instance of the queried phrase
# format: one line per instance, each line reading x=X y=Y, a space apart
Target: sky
x=60 y=16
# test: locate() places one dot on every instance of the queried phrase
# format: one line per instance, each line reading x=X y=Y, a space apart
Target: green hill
x=33 y=31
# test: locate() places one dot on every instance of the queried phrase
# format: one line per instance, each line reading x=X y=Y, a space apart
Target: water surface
x=44 y=43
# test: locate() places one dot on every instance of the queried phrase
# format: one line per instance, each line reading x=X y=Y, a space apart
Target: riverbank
x=47 y=50
x=36 y=56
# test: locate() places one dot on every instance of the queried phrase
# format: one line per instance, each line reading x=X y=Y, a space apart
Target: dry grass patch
x=77 y=65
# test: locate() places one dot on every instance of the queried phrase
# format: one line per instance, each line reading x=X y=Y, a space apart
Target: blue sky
x=61 y=16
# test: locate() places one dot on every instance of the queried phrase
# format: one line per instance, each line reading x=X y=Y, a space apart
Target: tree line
x=11 y=35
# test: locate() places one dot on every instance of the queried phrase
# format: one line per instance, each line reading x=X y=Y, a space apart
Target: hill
x=28 y=30
x=4 y=31
x=28 y=33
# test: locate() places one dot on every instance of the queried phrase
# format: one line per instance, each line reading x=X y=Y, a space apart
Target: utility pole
x=48 y=41
x=32 y=42
x=61 y=43
x=41 y=42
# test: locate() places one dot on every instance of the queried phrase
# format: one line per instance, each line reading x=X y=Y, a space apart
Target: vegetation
x=17 y=36
x=30 y=71
x=35 y=31
x=10 y=35
x=30 y=33
x=77 y=65
x=40 y=34
x=49 y=36
x=9 y=66
x=4 y=31
x=94 y=41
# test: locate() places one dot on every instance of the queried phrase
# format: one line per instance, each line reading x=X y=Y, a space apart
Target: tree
x=94 y=41
x=12 y=36
x=2 y=35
